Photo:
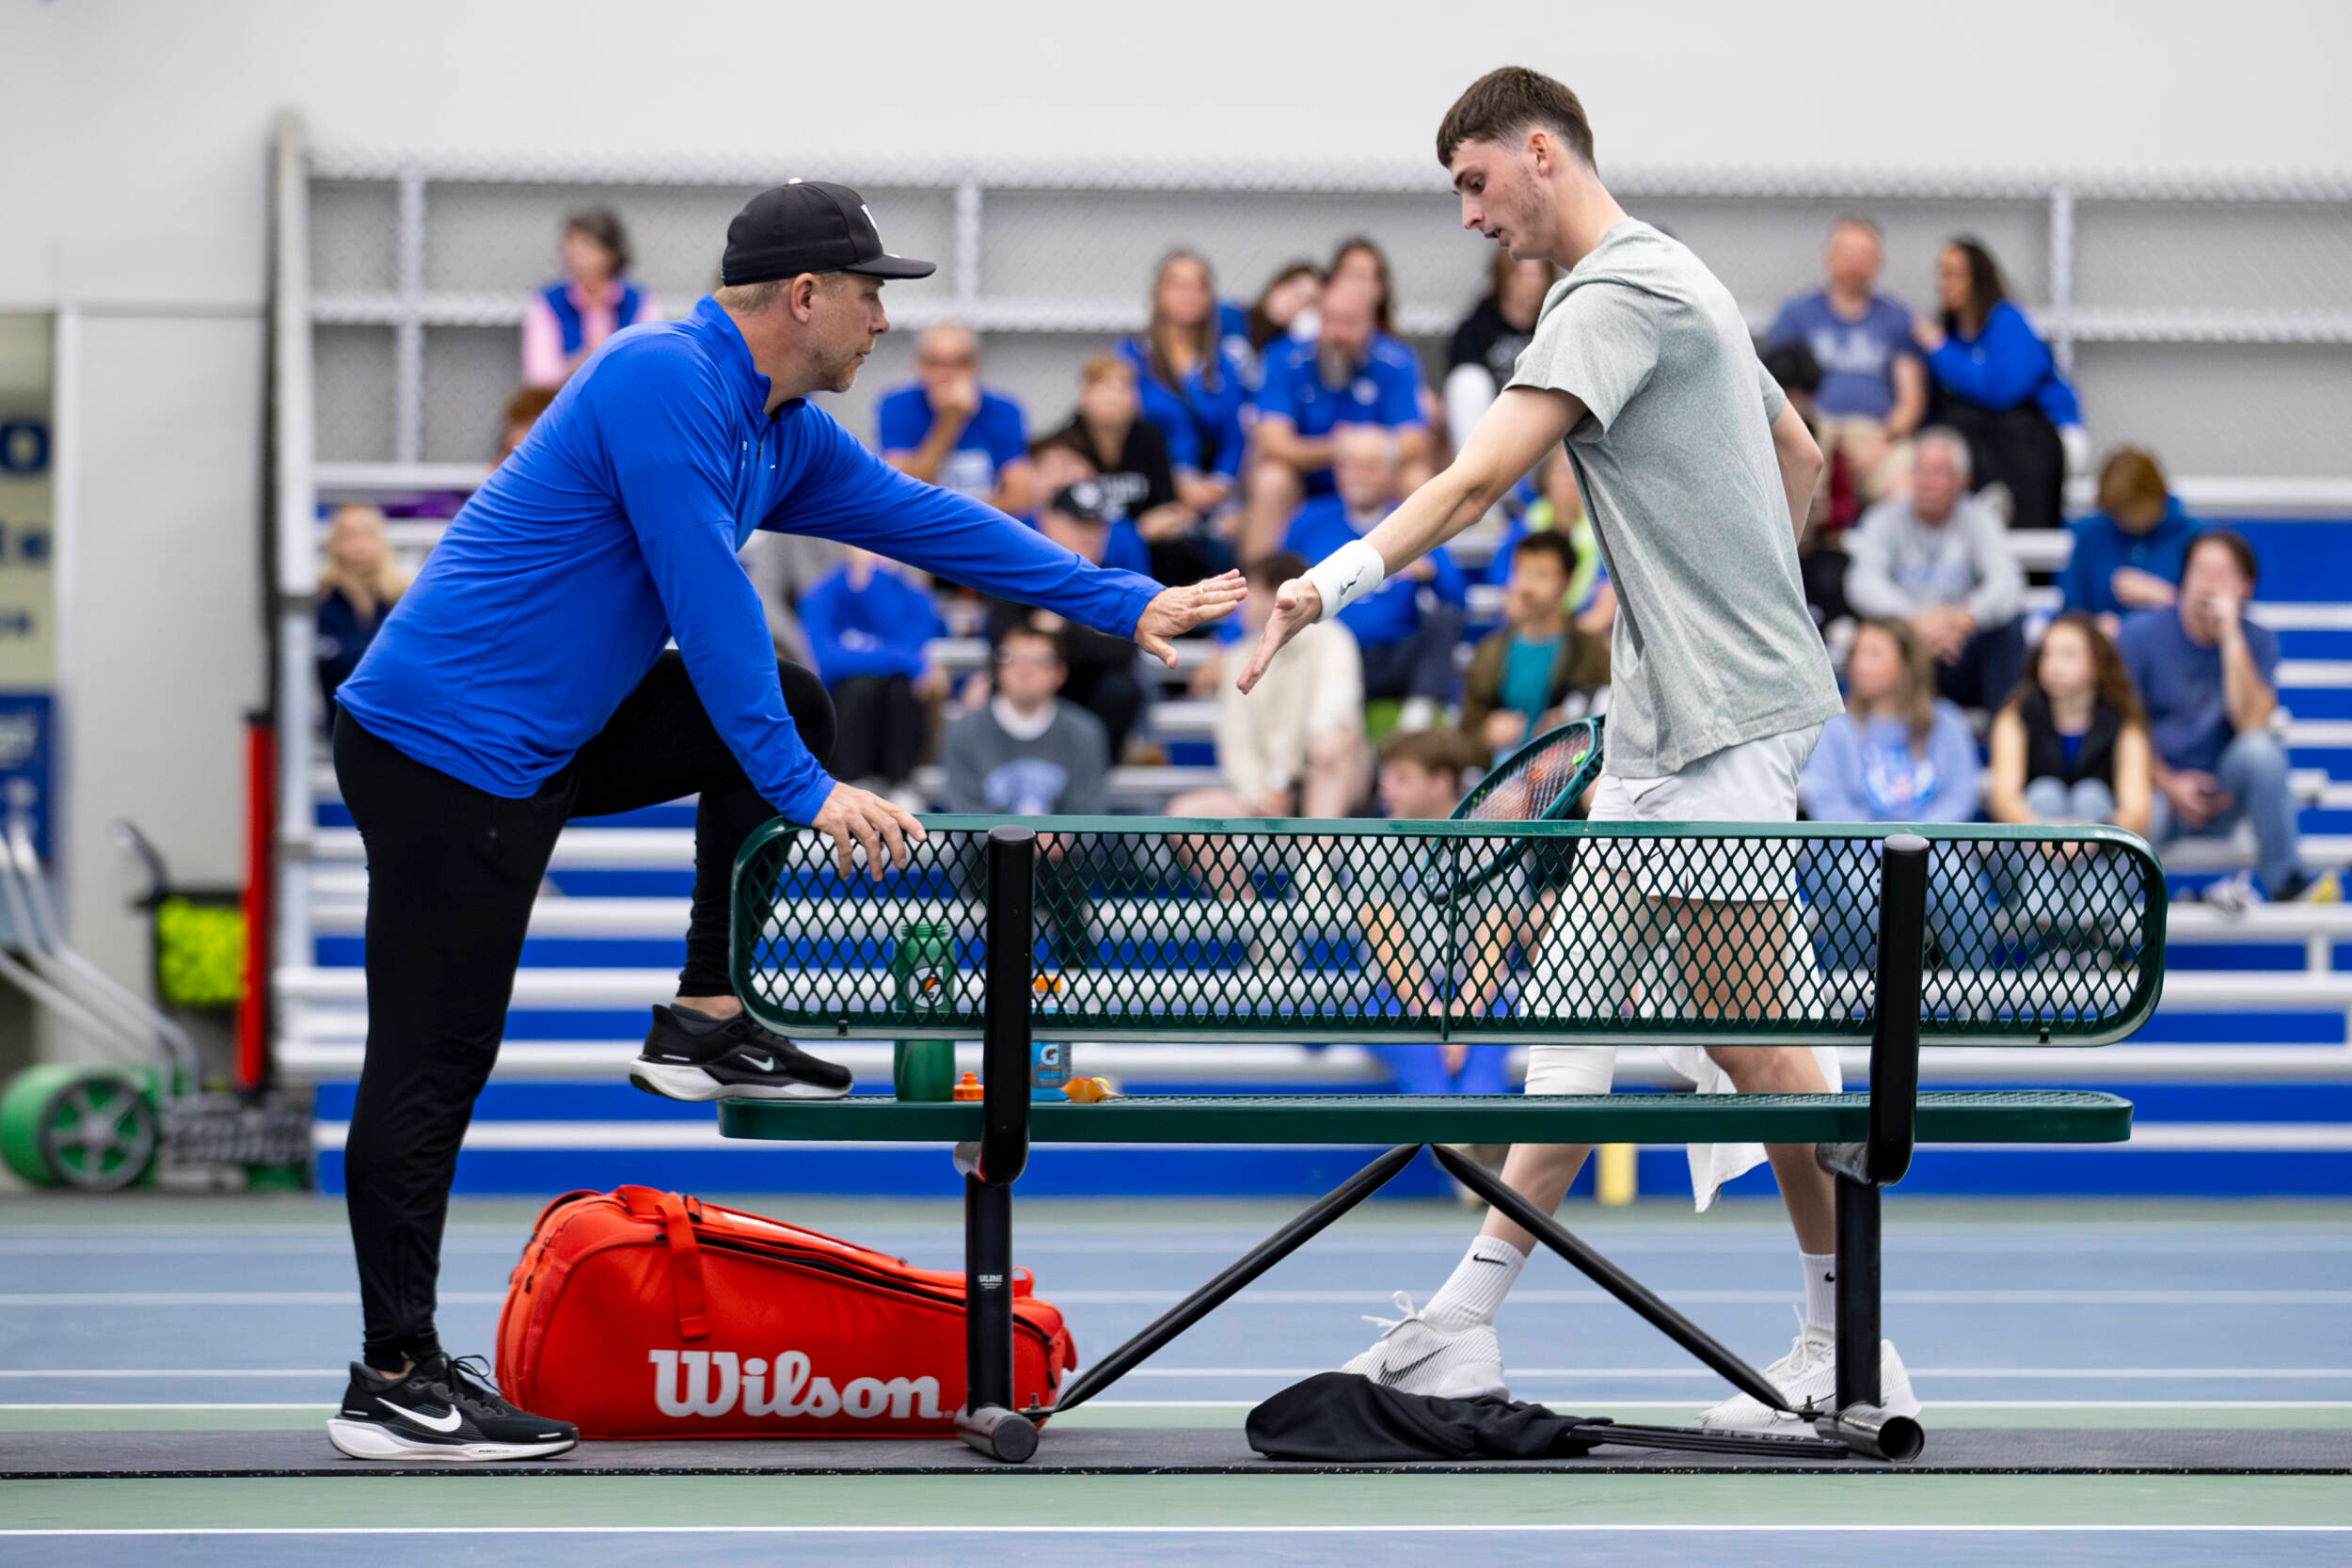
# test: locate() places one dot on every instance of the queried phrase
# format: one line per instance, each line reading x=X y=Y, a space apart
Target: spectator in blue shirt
x=2128 y=554
x=1349 y=375
x=2208 y=677
x=1409 y=627
x=868 y=627
x=1899 y=753
x=1190 y=387
x=1997 y=383
x=1873 y=390
x=946 y=429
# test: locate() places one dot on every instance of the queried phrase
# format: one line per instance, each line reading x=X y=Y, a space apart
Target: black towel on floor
x=1345 y=1417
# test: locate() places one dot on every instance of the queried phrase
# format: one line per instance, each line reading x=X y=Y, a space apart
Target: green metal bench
x=1321 y=931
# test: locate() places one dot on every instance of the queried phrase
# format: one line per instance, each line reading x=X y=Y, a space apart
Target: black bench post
x=1882 y=1159
x=987 y=1420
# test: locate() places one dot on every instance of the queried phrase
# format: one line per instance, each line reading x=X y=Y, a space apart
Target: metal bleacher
x=2256 y=997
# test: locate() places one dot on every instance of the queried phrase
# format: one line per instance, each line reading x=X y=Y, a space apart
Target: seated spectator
x=1100 y=668
x=1139 y=482
x=1487 y=344
x=1407 y=645
x=522 y=411
x=573 y=316
x=2209 y=679
x=1540 y=670
x=1191 y=390
x=2072 y=745
x=1026 y=753
x=358 y=588
x=1291 y=747
x=867 y=628
x=1897 y=754
x=1821 y=552
x=2129 y=553
x=947 y=429
x=1940 y=561
x=1361 y=260
x=1349 y=375
x=1288 y=306
x=1873 y=388
x=1995 y=382
x=1559 y=507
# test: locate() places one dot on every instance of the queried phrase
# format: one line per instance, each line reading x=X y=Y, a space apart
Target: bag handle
x=685 y=1269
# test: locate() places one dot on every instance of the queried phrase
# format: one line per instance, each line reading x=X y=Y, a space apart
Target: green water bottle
x=923 y=1069
x=923 y=970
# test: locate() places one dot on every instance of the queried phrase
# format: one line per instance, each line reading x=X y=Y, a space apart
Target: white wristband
x=1346 y=575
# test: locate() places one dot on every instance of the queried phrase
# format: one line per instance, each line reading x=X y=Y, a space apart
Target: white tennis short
x=1753 y=781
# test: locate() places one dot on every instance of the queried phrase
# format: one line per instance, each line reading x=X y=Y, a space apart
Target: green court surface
x=193 y=1321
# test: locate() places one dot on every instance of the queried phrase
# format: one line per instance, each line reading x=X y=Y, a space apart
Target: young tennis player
x=1698 y=476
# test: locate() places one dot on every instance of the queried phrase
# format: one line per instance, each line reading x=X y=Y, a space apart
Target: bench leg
x=1858 y=1293
x=988 y=1421
x=1198 y=1305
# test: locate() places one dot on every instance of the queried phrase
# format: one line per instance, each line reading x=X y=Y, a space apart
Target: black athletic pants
x=453 y=872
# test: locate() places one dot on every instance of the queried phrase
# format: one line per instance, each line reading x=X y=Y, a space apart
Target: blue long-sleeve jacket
x=2101 y=548
x=613 y=529
x=2001 y=367
x=878 y=629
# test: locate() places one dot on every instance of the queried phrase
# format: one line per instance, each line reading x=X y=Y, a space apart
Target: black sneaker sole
x=374 y=1440
x=684 y=1080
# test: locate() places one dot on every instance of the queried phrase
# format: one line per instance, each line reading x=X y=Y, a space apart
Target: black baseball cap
x=1083 y=501
x=809 y=225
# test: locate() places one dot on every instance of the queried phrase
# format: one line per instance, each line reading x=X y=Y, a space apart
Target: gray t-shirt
x=1713 y=643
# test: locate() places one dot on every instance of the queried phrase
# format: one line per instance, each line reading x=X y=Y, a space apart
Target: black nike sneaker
x=689 y=1056
x=442 y=1409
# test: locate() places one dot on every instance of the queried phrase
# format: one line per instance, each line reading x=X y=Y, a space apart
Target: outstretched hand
x=1174 y=611
x=1298 y=603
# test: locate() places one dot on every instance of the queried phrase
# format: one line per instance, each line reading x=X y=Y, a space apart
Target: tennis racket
x=1541 y=781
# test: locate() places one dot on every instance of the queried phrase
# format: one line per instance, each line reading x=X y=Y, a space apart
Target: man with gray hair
x=1941 y=561
x=1409 y=628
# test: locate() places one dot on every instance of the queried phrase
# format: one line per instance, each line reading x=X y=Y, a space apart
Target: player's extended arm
x=1522 y=424
x=1800 y=465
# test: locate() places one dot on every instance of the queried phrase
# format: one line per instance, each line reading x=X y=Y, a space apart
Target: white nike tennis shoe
x=1415 y=1357
x=1808 y=1375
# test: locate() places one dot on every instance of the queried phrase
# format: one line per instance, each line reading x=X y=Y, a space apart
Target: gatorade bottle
x=1049 y=1060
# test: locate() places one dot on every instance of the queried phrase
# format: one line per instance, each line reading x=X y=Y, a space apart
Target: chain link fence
x=2211 y=321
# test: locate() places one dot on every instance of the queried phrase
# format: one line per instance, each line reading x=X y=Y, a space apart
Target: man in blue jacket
x=524 y=681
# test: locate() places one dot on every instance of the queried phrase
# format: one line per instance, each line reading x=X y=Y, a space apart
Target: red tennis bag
x=638 y=1313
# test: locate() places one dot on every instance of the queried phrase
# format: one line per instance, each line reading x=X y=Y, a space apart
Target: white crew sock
x=1820 y=1289
x=1479 y=1281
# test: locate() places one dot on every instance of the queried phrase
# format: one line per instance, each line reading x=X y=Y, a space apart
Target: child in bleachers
x=2127 y=555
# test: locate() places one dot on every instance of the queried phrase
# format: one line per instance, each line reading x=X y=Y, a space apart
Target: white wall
x=133 y=145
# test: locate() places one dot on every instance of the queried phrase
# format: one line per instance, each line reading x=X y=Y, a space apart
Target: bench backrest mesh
x=1162 y=928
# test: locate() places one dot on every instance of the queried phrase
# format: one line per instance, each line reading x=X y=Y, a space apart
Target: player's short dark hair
x=1504 y=103
x=2232 y=541
x=1439 y=750
x=1547 y=542
x=1794 y=367
x=1270 y=572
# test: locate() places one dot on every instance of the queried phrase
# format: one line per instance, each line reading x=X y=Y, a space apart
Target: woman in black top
x=2072 y=744
x=1138 y=482
x=1487 y=344
x=357 y=587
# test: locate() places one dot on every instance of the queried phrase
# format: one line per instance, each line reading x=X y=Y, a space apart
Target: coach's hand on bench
x=1174 y=611
x=1298 y=603
x=855 y=816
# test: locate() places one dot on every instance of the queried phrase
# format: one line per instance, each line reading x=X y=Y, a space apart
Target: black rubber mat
x=1163 y=1450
